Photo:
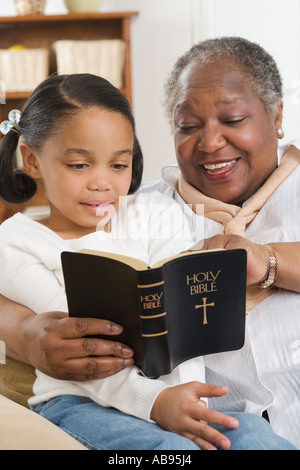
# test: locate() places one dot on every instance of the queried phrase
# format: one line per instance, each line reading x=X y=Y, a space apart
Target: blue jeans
x=100 y=428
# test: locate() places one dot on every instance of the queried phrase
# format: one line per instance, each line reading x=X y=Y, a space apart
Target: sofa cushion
x=16 y=381
x=22 y=429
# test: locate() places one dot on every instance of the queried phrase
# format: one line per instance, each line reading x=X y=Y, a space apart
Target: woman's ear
x=30 y=161
x=279 y=117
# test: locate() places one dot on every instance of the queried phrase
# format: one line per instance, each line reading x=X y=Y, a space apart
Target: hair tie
x=12 y=124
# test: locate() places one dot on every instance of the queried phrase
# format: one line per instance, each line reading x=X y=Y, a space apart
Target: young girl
x=78 y=137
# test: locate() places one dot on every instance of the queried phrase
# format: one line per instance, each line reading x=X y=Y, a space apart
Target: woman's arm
x=287 y=256
x=288 y=265
x=57 y=345
x=11 y=317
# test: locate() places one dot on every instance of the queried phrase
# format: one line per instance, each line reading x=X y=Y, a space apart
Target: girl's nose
x=99 y=181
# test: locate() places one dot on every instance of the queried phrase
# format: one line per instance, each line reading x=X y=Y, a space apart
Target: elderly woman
x=224 y=101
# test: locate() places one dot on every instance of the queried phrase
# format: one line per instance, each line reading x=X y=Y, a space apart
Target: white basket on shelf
x=22 y=70
x=30 y=7
x=104 y=58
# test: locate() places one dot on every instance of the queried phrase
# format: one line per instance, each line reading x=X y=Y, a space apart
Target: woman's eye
x=234 y=122
x=186 y=129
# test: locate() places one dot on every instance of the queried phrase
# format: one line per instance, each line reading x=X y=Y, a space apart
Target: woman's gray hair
x=263 y=76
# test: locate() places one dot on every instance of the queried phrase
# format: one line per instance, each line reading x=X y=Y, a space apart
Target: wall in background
x=276 y=26
x=165 y=29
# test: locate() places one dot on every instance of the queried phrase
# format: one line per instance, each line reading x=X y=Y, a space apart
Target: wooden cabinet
x=41 y=31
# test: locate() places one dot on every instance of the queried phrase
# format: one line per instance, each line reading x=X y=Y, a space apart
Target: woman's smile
x=220 y=169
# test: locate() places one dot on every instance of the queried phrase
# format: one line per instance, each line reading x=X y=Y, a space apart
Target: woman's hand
x=287 y=255
x=57 y=345
x=180 y=410
x=257 y=255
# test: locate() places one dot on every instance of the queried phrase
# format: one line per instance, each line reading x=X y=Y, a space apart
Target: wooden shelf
x=18 y=95
x=41 y=31
x=67 y=17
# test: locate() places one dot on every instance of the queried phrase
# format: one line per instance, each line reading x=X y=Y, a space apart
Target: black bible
x=189 y=305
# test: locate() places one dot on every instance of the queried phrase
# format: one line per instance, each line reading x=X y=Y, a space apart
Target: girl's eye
x=77 y=166
x=119 y=166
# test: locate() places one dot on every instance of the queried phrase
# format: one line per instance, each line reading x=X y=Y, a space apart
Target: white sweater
x=31 y=274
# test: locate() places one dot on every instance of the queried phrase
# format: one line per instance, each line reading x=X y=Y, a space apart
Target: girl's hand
x=257 y=255
x=180 y=410
x=57 y=345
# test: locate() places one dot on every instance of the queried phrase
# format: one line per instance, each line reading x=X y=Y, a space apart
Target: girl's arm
x=181 y=410
x=174 y=408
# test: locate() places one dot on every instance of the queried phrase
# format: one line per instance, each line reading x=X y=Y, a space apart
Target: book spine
x=154 y=328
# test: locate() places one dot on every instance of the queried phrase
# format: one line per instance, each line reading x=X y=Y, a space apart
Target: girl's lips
x=105 y=209
x=98 y=208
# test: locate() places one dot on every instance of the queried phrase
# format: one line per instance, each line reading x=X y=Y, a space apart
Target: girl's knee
x=172 y=441
x=251 y=422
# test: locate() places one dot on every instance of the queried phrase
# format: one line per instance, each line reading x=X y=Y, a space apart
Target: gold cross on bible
x=204 y=309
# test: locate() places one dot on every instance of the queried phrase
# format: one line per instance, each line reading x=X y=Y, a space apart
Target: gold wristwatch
x=270 y=279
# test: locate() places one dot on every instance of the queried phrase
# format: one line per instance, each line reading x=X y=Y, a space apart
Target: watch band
x=272 y=269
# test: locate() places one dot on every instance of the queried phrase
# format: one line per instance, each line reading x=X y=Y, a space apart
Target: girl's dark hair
x=57 y=98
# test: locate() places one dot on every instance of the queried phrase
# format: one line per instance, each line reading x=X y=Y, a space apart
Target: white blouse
x=265 y=373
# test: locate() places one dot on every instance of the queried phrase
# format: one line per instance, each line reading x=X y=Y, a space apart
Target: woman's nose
x=211 y=139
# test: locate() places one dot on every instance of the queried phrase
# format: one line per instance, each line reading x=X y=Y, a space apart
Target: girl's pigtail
x=15 y=186
x=137 y=167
